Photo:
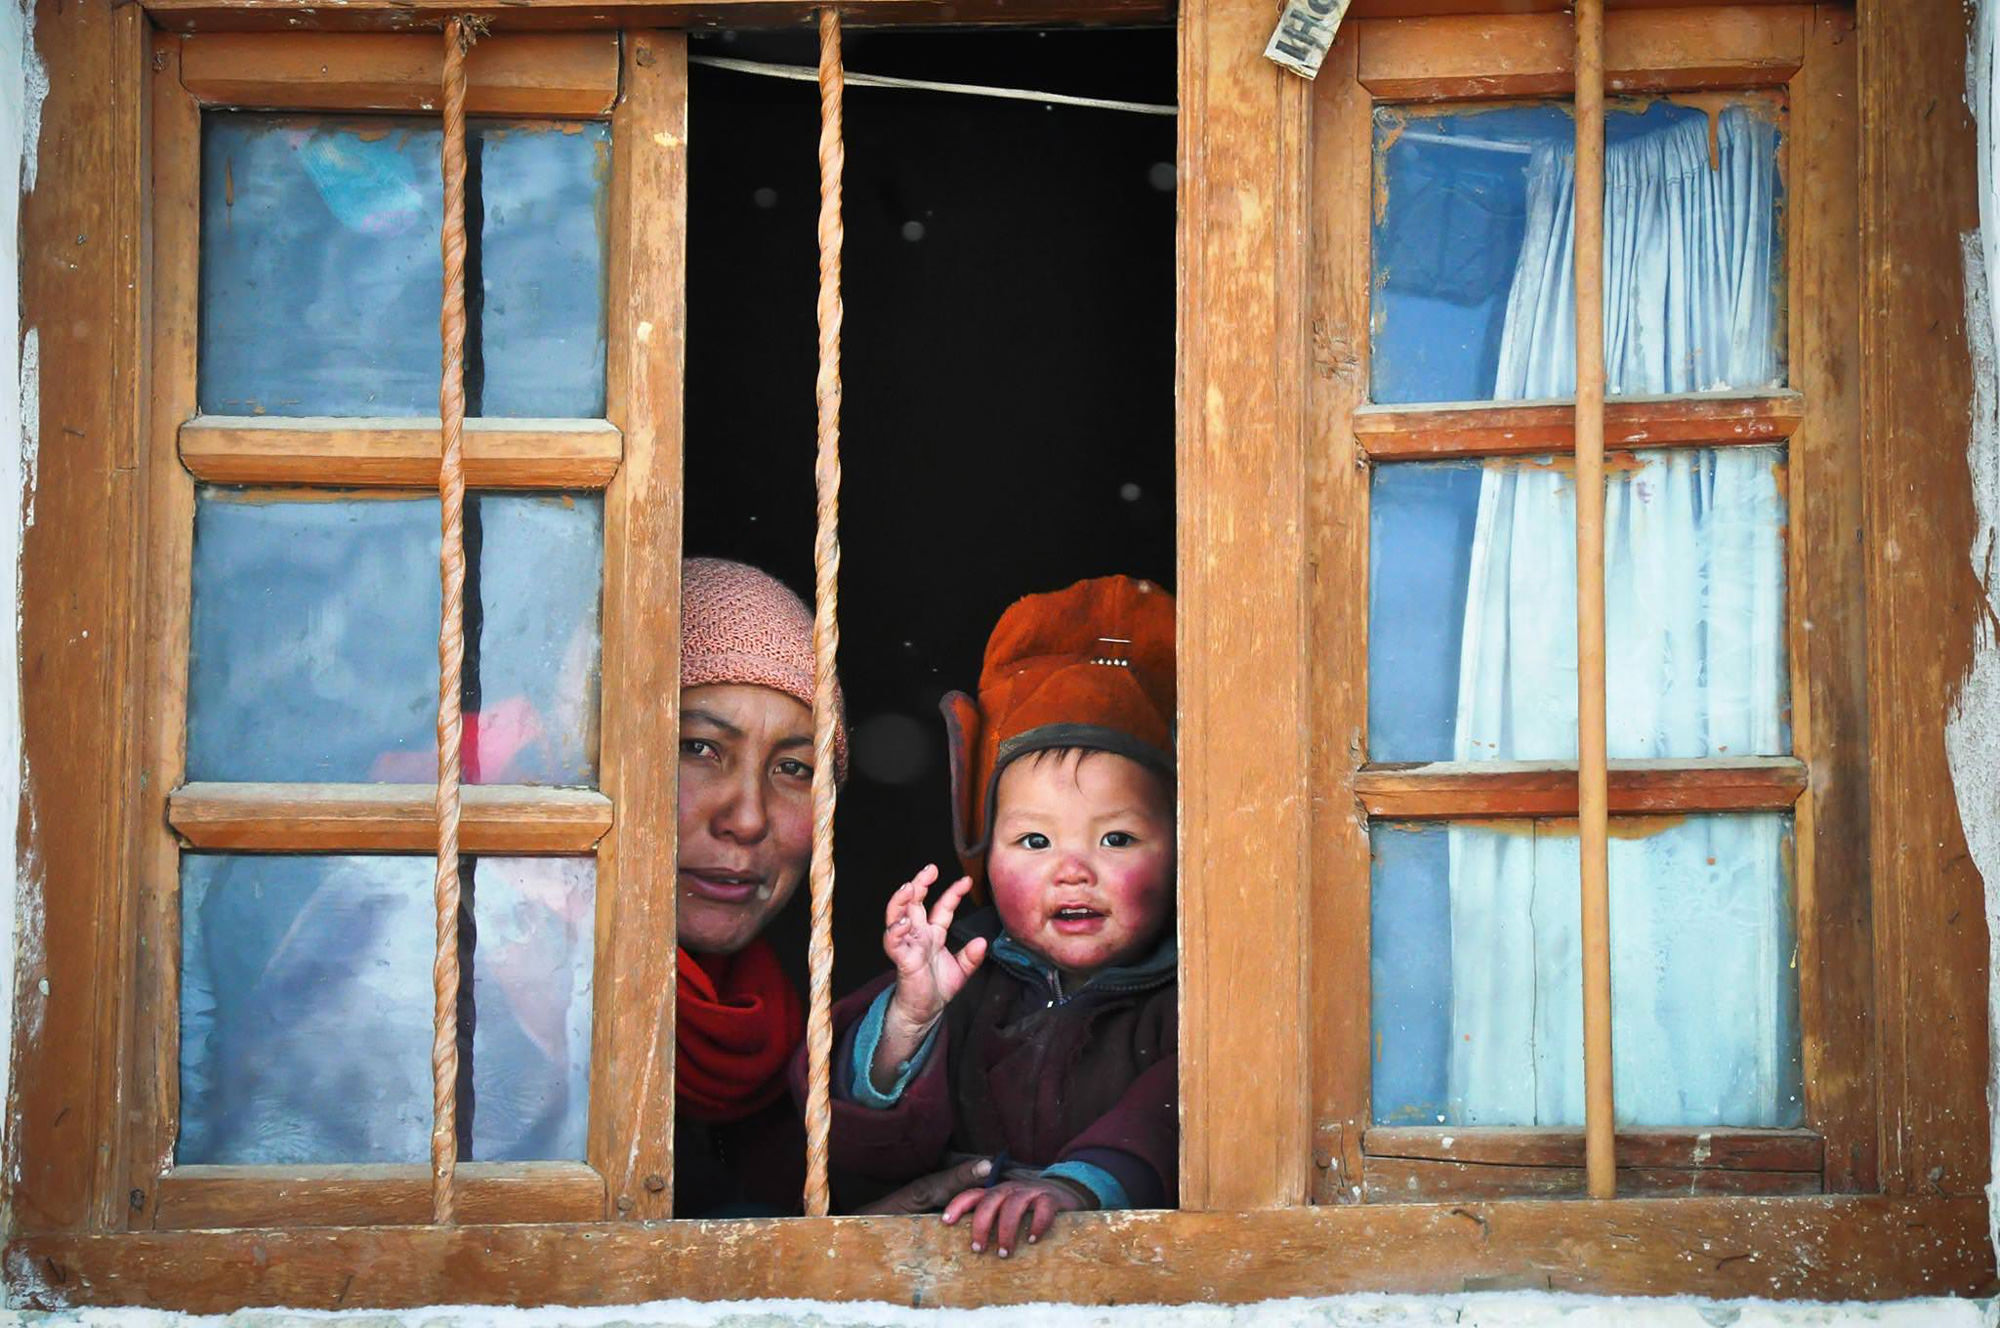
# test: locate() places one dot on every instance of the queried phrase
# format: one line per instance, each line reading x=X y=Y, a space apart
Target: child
x=1047 y=1041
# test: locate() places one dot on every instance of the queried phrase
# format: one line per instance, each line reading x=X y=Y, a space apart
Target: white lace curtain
x=1704 y=983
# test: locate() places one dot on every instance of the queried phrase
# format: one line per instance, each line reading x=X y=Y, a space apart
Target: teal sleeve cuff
x=1110 y=1194
x=867 y=1035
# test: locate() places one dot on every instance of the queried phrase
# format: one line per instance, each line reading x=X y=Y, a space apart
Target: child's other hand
x=928 y=974
x=999 y=1213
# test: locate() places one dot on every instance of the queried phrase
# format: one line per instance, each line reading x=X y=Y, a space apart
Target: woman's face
x=745 y=811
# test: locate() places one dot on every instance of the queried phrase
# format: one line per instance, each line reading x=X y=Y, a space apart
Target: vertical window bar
x=826 y=617
x=458 y=35
x=1592 y=827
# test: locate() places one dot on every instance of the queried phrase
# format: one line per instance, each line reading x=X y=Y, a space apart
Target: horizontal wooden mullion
x=1456 y=789
x=1718 y=1149
x=1541 y=428
x=386 y=818
x=568 y=75
x=398 y=453
x=1422 y=1180
x=217 y=1197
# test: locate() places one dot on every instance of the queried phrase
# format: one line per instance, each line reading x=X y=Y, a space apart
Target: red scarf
x=739 y=1021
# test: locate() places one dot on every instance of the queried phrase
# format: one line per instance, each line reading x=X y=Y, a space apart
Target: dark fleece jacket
x=1019 y=1069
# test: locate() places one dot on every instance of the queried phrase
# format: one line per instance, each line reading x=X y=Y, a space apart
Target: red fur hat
x=1091 y=666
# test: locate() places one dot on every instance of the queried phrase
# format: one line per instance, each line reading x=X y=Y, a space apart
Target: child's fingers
x=947 y=904
x=918 y=885
x=972 y=956
x=898 y=905
x=963 y=1203
x=983 y=1214
x=1043 y=1217
x=1008 y=1228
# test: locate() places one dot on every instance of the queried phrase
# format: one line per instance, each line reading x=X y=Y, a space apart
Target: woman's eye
x=792 y=769
x=1119 y=839
x=1034 y=839
x=697 y=747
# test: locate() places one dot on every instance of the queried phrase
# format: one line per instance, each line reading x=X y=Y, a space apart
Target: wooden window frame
x=1272 y=364
x=1803 y=58
x=624 y=454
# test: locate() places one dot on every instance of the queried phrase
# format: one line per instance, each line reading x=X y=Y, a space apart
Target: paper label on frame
x=1304 y=34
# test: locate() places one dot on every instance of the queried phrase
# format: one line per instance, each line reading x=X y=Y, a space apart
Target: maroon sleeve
x=895 y=1144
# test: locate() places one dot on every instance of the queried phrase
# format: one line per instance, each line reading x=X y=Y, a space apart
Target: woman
x=746 y=767
x=746 y=754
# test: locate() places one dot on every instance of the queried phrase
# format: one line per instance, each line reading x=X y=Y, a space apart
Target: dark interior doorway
x=1008 y=370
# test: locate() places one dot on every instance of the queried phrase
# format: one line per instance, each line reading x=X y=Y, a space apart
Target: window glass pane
x=1472 y=608
x=321 y=275
x=540 y=299
x=1477 y=979
x=306 y=1007
x=314 y=638
x=1474 y=295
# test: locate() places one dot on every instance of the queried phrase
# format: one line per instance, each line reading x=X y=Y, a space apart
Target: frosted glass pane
x=314 y=638
x=321 y=272
x=1476 y=973
x=1472 y=264
x=531 y=1019
x=306 y=1008
x=542 y=192
x=1472 y=608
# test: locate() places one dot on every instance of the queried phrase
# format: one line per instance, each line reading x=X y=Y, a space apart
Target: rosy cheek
x=1139 y=884
x=1013 y=891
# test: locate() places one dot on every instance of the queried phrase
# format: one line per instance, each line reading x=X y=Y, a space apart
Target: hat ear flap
x=963 y=728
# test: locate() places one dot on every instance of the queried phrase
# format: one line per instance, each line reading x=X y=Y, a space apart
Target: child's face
x=1082 y=863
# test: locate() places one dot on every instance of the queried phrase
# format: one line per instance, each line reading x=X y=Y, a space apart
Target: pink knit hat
x=741 y=625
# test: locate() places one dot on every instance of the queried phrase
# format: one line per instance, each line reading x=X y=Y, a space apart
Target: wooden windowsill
x=1827 y=1248
x=1450 y=789
x=489 y=1193
x=386 y=818
x=1537 y=428
x=398 y=452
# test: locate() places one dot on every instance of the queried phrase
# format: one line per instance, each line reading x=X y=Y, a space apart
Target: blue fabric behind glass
x=321 y=275
x=1420 y=532
x=1445 y=244
x=1704 y=963
x=1450 y=218
x=1409 y=971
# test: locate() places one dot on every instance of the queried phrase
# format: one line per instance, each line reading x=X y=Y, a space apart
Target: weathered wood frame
x=1264 y=173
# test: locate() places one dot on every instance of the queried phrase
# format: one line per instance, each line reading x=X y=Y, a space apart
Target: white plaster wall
x=22 y=85
x=1972 y=731
x=1974 y=738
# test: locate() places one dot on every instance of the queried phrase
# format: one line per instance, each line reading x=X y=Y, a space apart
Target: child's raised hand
x=998 y=1214
x=928 y=974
